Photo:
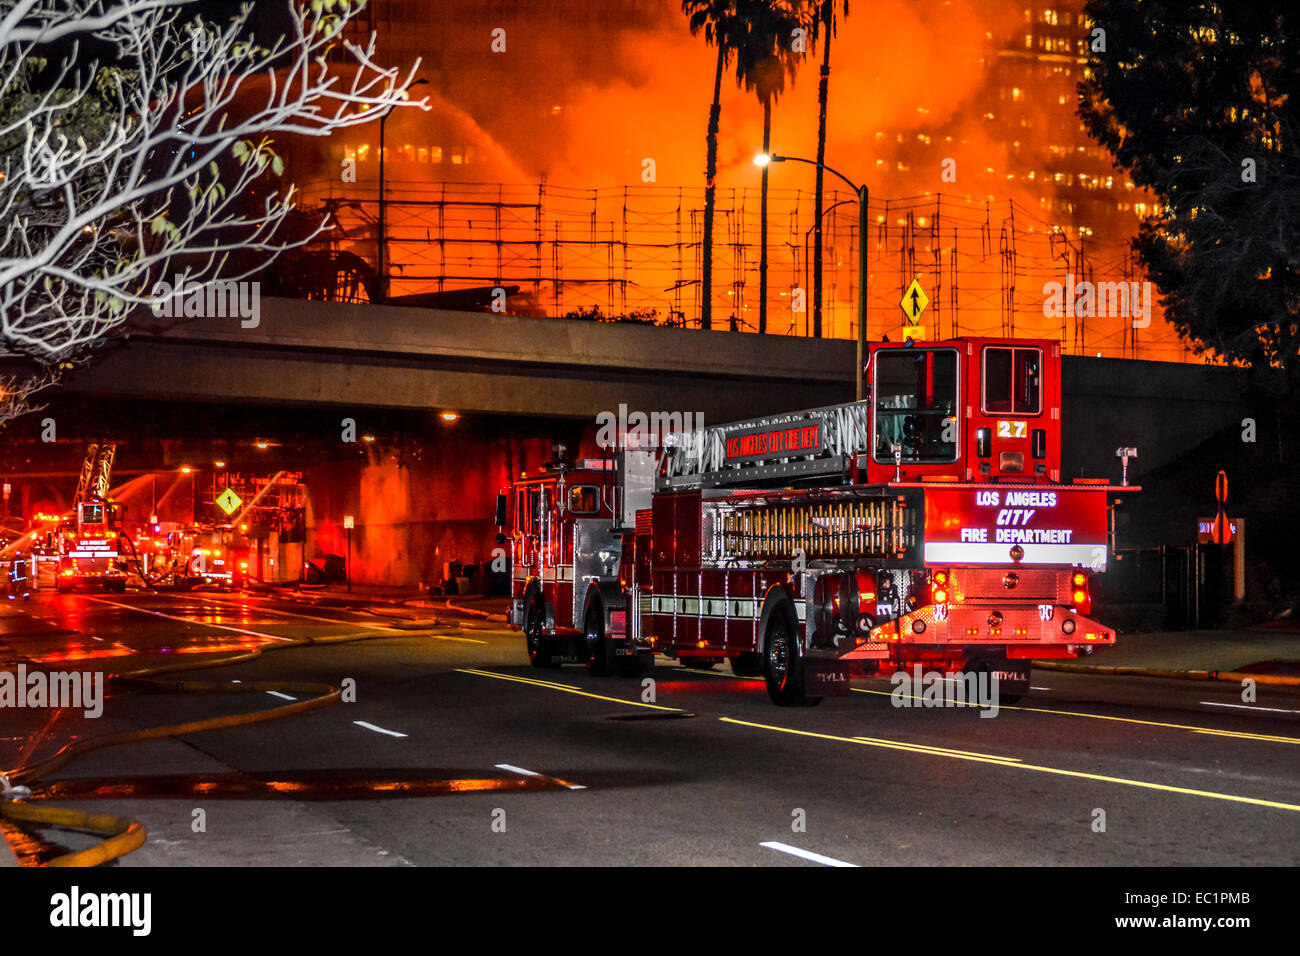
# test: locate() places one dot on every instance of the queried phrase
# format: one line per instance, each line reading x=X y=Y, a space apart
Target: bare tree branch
x=116 y=175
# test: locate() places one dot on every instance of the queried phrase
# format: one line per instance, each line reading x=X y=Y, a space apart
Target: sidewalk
x=1270 y=656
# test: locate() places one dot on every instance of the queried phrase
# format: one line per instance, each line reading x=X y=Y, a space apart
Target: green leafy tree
x=1197 y=102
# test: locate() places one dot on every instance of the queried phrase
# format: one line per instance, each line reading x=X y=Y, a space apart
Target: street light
x=762 y=159
x=383 y=278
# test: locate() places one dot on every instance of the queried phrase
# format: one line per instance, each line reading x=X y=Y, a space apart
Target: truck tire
x=594 y=644
x=783 y=662
x=541 y=646
x=747 y=664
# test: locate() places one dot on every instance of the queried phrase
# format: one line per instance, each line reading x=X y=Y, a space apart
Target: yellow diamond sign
x=914 y=302
x=228 y=501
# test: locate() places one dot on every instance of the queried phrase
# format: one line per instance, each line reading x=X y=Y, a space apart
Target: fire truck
x=88 y=546
x=928 y=524
x=204 y=554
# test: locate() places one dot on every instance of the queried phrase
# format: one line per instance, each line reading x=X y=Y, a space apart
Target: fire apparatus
x=928 y=524
x=88 y=544
x=212 y=554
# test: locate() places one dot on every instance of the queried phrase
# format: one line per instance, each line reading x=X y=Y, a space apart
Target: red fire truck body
x=89 y=547
x=926 y=524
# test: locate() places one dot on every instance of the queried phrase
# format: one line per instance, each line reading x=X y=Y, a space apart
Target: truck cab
x=89 y=547
x=972 y=409
x=571 y=536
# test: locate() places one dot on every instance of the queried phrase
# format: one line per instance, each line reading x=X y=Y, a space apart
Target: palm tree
x=763 y=62
x=724 y=23
x=825 y=24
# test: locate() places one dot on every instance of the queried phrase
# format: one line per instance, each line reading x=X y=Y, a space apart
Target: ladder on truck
x=813 y=443
x=96 y=471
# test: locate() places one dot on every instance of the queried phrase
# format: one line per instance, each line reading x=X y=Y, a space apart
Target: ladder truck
x=928 y=524
x=91 y=536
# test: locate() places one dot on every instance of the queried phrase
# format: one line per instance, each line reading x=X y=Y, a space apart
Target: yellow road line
x=567 y=689
x=1244 y=735
x=523 y=680
x=940 y=751
x=1080 y=774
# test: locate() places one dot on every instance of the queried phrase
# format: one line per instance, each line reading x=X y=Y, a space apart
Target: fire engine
x=88 y=544
x=928 y=524
x=206 y=554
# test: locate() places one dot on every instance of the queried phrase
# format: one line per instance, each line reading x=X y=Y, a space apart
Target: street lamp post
x=762 y=159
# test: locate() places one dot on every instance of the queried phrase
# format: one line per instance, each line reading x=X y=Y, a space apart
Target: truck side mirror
x=501 y=513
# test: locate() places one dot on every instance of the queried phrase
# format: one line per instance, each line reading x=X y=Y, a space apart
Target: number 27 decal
x=1008 y=429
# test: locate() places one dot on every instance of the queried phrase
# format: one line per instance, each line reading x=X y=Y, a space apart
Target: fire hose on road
x=127 y=835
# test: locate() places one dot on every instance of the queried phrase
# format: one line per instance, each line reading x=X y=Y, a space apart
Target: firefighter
x=19 y=580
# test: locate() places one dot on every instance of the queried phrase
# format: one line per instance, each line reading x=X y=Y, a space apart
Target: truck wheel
x=783 y=664
x=747 y=664
x=594 y=644
x=541 y=646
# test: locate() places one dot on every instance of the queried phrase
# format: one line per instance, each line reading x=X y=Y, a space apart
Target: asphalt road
x=456 y=751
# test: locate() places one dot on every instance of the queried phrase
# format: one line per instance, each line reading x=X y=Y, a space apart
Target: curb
x=1119 y=671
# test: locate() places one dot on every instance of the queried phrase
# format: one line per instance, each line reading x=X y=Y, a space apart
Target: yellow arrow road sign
x=914 y=302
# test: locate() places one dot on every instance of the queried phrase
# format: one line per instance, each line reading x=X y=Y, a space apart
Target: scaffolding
x=637 y=251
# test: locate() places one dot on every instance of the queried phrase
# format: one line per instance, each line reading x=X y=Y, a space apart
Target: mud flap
x=825 y=677
x=1012 y=675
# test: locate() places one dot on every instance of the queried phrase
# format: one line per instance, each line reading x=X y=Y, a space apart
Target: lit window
x=584 y=499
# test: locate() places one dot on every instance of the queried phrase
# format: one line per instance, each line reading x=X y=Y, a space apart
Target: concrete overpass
x=365 y=356
x=423 y=493
x=393 y=357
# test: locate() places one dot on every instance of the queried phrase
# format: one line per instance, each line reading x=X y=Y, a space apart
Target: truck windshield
x=915 y=395
x=1012 y=383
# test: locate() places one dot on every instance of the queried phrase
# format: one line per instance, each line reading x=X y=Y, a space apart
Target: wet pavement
x=450 y=749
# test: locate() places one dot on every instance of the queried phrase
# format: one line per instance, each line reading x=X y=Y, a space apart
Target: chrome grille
x=984 y=586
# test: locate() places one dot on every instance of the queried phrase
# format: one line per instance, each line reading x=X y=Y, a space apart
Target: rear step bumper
x=971 y=626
